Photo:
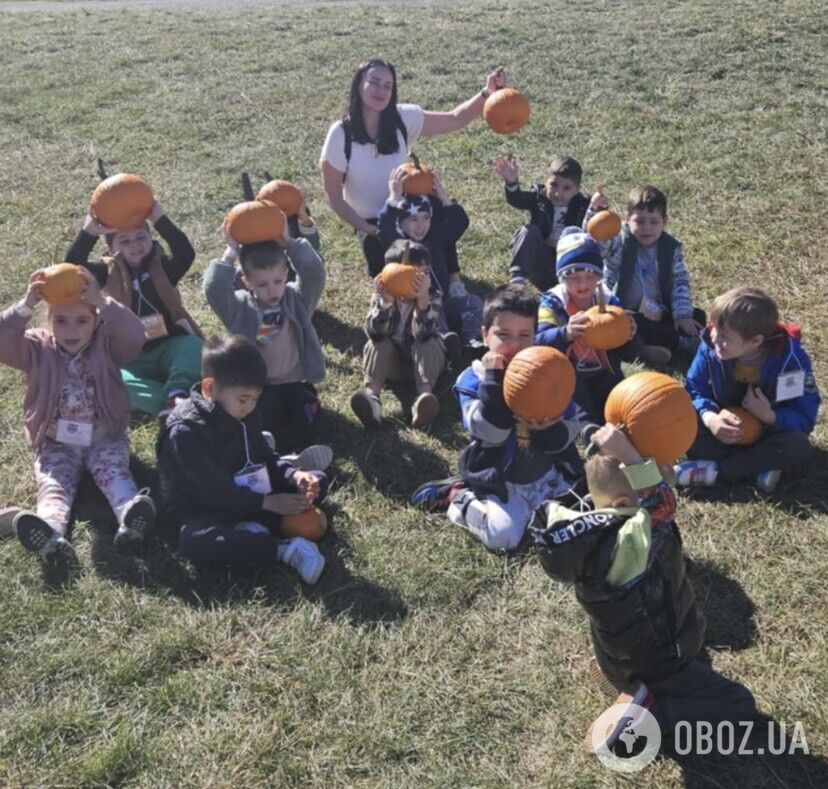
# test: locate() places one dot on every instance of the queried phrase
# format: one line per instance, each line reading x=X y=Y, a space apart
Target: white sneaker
x=303 y=556
x=316 y=457
x=695 y=473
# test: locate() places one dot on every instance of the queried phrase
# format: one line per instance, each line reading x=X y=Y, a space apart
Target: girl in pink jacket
x=76 y=414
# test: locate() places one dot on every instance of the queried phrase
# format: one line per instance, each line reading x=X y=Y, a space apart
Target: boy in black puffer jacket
x=626 y=562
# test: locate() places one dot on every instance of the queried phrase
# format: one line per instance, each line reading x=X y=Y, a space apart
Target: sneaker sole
x=33 y=532
x=314 y=458
x=425 y=412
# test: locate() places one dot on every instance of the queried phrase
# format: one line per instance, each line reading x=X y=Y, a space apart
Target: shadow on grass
x=801 y=493
x=344 y=337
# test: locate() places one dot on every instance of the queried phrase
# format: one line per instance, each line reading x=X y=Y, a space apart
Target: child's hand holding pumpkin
x=95 y=228
x=395 y=184
x=577 y=325
x=33 y=295
x=496 y=80
x=440 y=191
x=91 y=293
x=422 y=282
x=759 y=405
x=599 y=201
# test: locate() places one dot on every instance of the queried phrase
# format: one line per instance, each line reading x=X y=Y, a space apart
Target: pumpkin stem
x=101 y=169
x=247 y=186
x=602 y=301
x=406 y=253
x=416 y=160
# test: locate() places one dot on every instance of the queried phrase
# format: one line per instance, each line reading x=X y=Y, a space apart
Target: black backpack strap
x=346 y=128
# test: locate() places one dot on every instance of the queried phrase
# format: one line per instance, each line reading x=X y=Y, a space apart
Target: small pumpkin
x=284 y=194
x=418 y=180
x=538 y=384
x=657 y=413
x=63 y=285
x=398 y=280
x=751 y=425
x=609 y=326
x=506 y=111
x=604 y=226
x=310 y=524
x=254 y=221
x=122 y=201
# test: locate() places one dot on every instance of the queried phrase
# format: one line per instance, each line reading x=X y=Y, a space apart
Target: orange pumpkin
x=418 y=180
x=609 y=327
x=284 y=194
x=751 y=425
x=310 y=524
x=604 y=226
x=656 y=412
x=63 y=285
x=255 y=221
x=398 y=279
x=122 y=201
x=506 y=111
x=538 y=384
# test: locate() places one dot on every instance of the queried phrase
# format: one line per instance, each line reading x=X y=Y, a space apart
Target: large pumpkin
x=751 y=425
x=418 y=180
x=538 y=384
x=63 y=284
x=506 y=111
x=284 y=194
x=398 y=279
x=656 y=412
x=310 y=524
x=122 y=201
x=604 y=226
x=255 y=221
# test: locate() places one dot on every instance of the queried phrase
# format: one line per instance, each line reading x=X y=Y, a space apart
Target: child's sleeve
x=681 y=298
x=698 y=384
x=550 y=330
x=519 y=198
x=310 y=272
x=125 y=331
x=486 y=415
x=220 y=292
x=800 y=413
x=387 y=223
x=455 y=222
x=378 y=320
x=15 y=348
x=612 y=251
x=182 y=253
x=79 y=254
x=424 y=325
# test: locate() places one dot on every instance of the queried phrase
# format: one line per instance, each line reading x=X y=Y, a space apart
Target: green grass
x=420 y=659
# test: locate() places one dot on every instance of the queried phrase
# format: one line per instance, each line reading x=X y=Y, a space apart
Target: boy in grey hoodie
x=276 y=314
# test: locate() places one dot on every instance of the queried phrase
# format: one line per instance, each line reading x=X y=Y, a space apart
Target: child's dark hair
x=110 y=237
x=513 y=297
x=566 y=167
x=418 y=254
x=647 y=198
x=264 y=255
x=390 y=119
x=747 y=311
x=233 y=361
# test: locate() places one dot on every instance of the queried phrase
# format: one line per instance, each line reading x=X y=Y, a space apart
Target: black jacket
x=643 y=631
x=542 y=212
x=200 y=449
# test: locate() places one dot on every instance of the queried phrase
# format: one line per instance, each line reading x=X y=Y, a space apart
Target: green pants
x=171 y=365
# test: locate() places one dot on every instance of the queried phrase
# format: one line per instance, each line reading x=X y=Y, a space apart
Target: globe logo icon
x=626 y=737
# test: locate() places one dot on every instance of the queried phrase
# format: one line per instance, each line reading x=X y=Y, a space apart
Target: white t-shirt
x=367 y=173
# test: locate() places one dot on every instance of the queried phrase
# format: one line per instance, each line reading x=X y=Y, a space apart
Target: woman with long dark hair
x=373 y=138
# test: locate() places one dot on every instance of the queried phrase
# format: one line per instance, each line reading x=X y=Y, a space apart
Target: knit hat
x=412 y=204
x=578 y=251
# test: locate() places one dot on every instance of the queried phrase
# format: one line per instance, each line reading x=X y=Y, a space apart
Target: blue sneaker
x=436 y=495
x=767 y=481
x=695 y=473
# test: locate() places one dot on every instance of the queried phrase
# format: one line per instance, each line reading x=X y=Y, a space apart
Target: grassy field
x=419 y=659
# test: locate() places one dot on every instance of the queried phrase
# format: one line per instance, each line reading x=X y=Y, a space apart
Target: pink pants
x=58 y=470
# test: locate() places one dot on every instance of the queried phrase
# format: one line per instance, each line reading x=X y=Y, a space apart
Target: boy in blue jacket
x=509 y=467
x=748 y=358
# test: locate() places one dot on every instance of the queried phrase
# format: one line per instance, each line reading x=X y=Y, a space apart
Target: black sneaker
x=138 y=518
x=55 y=552
x=436 y=495
x=454 y=348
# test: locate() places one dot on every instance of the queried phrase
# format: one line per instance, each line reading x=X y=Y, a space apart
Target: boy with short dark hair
x=626 y=562
x=748 y=358
x=553 y=205
x=403 y=341
x=221 y=482
x=276 y=314
x=137 y=273
x=644 y=267
x=509 y=467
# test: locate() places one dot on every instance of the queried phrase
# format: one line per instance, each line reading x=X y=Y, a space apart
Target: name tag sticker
x=154 y=326
x=77 y=434
x=256 y=478
x=790 y=385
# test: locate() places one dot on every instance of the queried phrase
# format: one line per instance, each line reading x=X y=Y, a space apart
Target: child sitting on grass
x=138 y=274
x=748 y=358
x=626 y=562
x=552 y=206
x=76 y=414
x=222 y=485
x=644 y=267
x=403 y=342
x=437 y=222
x=276 y=314
x=502 y=481
x=562 y=321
